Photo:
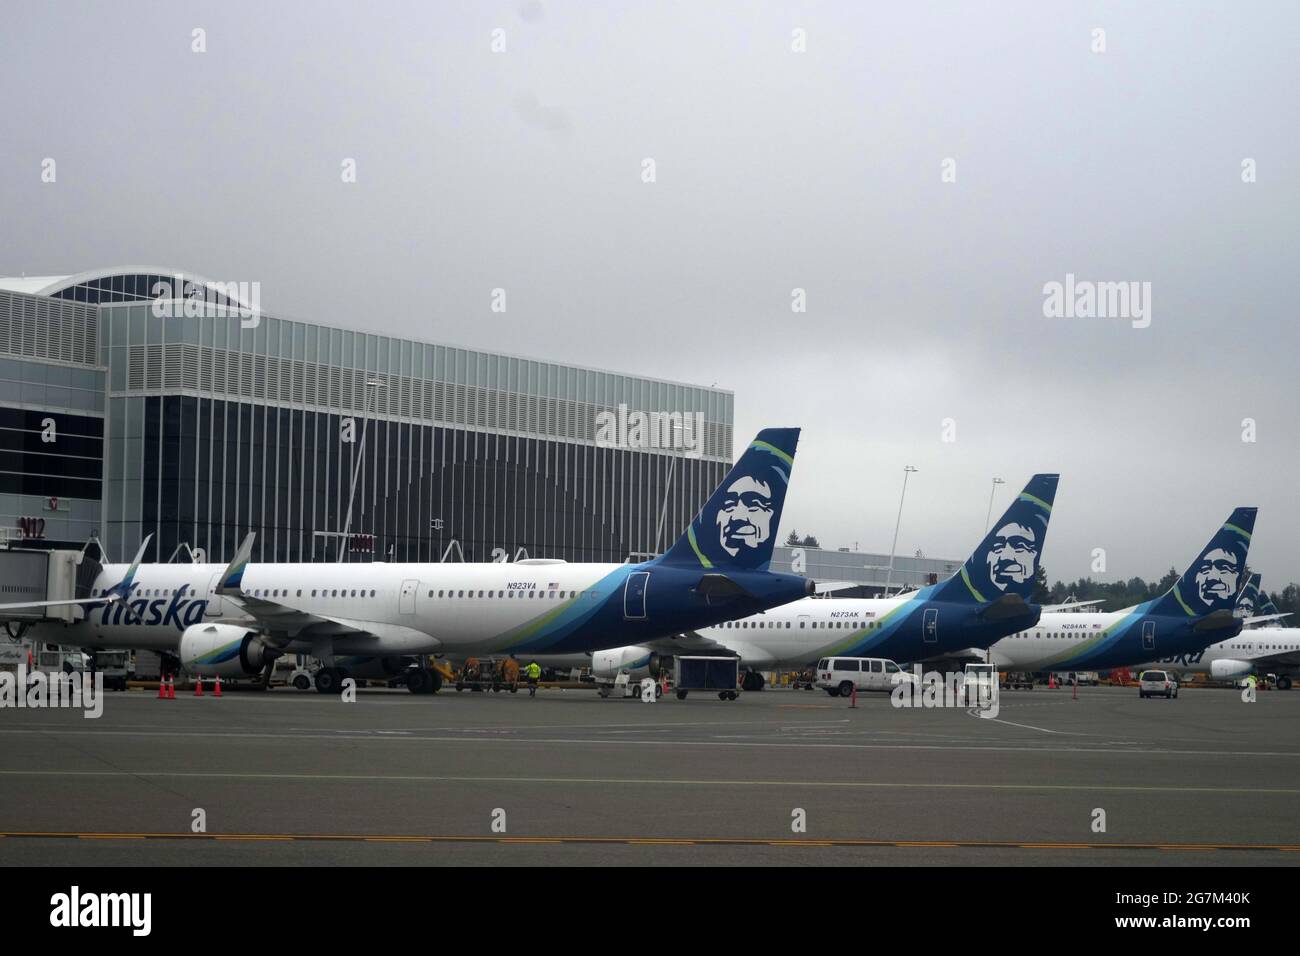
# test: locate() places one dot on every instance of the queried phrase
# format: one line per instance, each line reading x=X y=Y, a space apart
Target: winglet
x=129 y=579
x=234 y=573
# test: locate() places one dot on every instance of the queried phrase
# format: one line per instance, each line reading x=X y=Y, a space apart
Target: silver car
x=1157 y=684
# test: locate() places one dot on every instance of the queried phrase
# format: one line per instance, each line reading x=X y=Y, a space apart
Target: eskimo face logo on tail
x=745 y=519
x=737 y=526
x=1012 y=558
x=1217 y=577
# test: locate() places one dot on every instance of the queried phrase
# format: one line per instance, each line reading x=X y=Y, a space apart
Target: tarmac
x=778 y=777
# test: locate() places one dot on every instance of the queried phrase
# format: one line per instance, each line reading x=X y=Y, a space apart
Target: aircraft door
x=1148 y=635
x=930 y=626
x=634 y=596
x=215 y=602
x=406 y=600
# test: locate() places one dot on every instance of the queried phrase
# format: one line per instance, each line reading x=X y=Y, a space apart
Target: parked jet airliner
x=1196 y=612
x=238 y=619
x=1259 y=649
x=984 y=601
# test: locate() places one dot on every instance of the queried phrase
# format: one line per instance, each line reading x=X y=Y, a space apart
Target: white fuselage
x=794 y=635
x=1054 y=636
x=1258 y=644
x=403 y=608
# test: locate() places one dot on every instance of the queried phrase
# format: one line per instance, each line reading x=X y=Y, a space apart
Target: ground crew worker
x=532 y=673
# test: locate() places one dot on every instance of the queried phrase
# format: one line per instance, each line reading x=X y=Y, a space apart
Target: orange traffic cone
x=853 y=697
x=171 y=687
x=162 y=688
x=198 y=686
x=216 y=690
x=1051 y=681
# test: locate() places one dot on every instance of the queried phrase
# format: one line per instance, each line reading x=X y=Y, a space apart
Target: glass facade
x=52 y=396
x=214 y=469
x=210 y=426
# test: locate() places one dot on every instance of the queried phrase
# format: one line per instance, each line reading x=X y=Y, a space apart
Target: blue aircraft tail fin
x=1266 y=604
x=1214 y=578
x=1249 y=598
x=1008 y=558
x=736 y=528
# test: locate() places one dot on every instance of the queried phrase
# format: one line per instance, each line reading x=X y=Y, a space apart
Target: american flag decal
x=553 y=586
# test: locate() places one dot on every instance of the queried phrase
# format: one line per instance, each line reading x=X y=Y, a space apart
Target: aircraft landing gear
x=420 y=680
x=329 y=680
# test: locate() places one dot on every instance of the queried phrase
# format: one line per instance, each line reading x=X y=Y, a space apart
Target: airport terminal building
x=202 y=425
x=870 y=574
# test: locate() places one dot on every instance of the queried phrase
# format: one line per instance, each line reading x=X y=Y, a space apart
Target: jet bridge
x=32 y=575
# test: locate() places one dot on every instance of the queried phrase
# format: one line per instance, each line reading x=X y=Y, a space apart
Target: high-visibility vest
x=534 y=671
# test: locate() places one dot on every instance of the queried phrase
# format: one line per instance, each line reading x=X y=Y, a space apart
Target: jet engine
x=224 y=650
x=637 y=660
x=1228 y=669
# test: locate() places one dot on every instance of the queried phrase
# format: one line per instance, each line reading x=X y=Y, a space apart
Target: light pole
x=989 y=516
x=371 y=384
x=668 y=484
x=907 y=470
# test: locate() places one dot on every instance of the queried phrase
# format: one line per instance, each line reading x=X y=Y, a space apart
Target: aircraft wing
x=1257 y=619
x=1289 y=658
x=282 y=622
x=110 y=595
x=1071 y=605
x=688 y=642
x=84 y=602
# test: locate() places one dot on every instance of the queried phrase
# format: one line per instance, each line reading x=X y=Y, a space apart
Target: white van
x=839 y=675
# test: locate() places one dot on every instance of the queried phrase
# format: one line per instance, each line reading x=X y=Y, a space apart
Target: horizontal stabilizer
x=719 y=585
x=1005 y=608
x=1220 y=620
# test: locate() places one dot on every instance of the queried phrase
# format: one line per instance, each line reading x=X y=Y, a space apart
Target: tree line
x=1117 y=595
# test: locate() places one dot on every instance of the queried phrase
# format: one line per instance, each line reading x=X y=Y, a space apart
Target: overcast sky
x=775 y=170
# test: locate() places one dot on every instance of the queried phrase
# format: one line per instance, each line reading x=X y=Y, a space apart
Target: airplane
x=1276 y=649
x=986 y=600
x=235 y=620
x=1255 y=607
x=1193 y=614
